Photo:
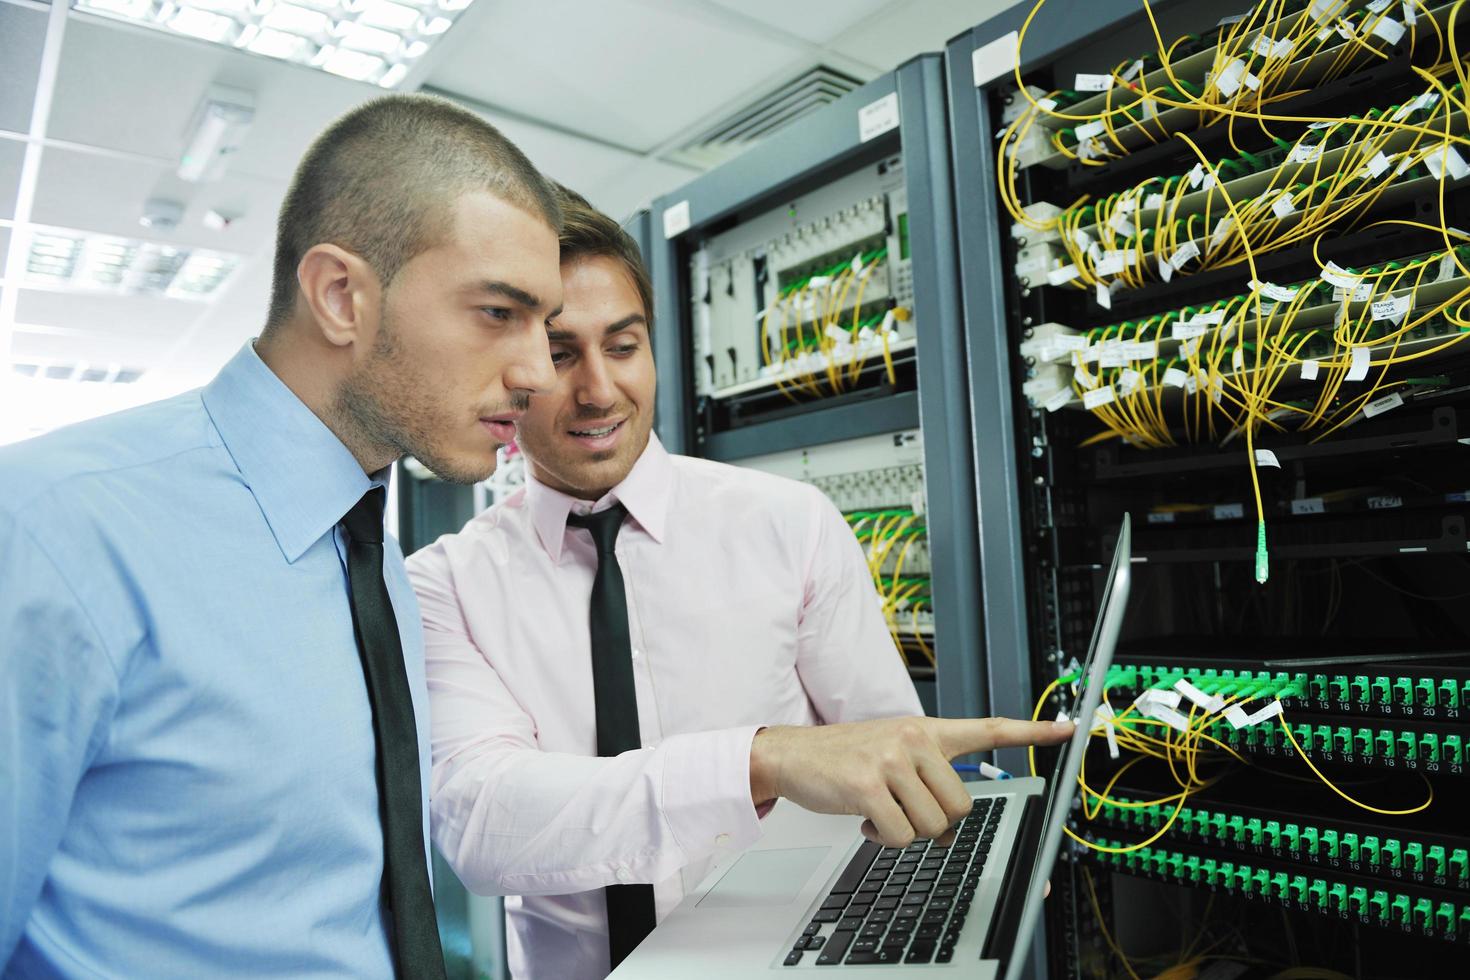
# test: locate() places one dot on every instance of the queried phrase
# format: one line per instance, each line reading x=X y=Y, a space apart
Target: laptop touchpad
x=773 y=877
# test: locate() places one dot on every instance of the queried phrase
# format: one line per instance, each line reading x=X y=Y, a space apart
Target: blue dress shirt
x=187 y=782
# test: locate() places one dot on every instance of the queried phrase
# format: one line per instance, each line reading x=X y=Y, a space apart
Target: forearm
x=516 y=820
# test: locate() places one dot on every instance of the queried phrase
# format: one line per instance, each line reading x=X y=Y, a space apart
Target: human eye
x=500 y=314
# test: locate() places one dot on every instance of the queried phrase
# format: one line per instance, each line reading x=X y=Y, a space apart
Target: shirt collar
x=302 y=476
x=644 y=491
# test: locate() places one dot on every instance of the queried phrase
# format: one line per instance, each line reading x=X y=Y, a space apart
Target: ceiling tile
x=12 y=154
x=910 y=27
x=91 y=193
x=627 y=74
x=22 y=38
x=150 y=318
x=817 y=21
x=136 y=90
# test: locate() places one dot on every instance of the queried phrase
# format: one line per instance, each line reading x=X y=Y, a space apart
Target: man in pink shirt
x=740 y=620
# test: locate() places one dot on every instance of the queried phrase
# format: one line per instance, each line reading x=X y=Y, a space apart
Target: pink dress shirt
x=749 y=604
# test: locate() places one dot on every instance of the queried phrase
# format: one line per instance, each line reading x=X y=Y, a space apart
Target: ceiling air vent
x=747 y=126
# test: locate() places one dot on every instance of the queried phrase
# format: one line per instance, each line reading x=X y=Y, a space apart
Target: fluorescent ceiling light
x=75 y=261
x=374 y=41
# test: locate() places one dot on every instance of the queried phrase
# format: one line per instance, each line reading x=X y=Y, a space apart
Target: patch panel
x=1406 y=908
x=1371 y=690
x=1420 y=858
x=1438 y=750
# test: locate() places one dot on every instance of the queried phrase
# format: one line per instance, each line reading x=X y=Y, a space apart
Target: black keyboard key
x=919 y=899
x=915 y=887
x=811 y=929
x=900 y=879
x=934 y=864
x=929 y=932
x=869 y=957
x=892 y=891
x=886 y=903
x=837 y=902
x=827 y=915
x=920 y=952
x=851 y=923
x=815 y=942
x=873 y=930
x=907 y=912
x=792 y=958
x=836 y=948
x=891 y=852
x=951 y=879
x=889 y=954
x=925 y=875
x=880 y=915
x=864 y=945
x=852 y=875
x=946 y=891
x=999 y=803
x=935 y=917
x=945 y=954
x=884 y=865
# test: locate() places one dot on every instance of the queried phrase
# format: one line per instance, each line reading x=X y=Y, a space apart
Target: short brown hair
x=381 y=181
x=587 y=232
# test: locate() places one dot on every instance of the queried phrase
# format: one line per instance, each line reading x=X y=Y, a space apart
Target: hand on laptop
x=895 y=771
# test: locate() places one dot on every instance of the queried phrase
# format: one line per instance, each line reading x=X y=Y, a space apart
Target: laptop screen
x=1061 y=788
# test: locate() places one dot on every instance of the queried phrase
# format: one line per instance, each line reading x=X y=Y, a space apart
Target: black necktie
x=415 y=932
x=630 y=910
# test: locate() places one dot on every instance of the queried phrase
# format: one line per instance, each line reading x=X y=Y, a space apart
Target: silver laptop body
x=756 y=909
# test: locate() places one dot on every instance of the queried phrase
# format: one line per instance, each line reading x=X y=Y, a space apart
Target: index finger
x=960 y=736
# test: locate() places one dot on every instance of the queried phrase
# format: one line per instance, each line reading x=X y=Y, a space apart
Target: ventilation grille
x=742 y=129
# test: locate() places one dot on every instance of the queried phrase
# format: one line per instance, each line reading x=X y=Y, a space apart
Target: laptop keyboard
x=903 y=905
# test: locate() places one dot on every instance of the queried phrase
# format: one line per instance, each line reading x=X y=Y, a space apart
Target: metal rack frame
x=828 y=143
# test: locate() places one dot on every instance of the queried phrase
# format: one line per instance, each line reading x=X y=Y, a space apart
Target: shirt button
x=637 y=654
x=624 y=875
x=722 y=840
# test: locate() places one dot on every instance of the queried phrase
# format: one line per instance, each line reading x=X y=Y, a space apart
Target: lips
x=598 y=436
x=501 y=429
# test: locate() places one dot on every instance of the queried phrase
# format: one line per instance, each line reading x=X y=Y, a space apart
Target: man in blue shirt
x=205 y=645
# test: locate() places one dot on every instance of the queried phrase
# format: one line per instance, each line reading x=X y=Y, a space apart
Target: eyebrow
x=617 y=326
x=513 y=293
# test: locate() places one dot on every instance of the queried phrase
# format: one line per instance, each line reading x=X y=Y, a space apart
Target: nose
x=594 y=384
x=529 y=370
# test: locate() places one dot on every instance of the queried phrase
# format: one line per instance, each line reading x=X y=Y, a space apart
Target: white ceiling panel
x=817 y=21
x=12 y=153
x=91 y=193
x=141 y=352
x=122 y=317
x=617 y=70
x=911 y=27
x=22 y=36
x=136 y=90
x=218 y=331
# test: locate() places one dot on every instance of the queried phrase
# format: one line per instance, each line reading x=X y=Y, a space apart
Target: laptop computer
x=813 y=894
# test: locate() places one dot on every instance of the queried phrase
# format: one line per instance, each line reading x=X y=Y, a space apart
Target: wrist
x=763 y=768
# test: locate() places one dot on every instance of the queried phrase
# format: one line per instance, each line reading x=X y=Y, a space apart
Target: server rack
x=1373 y=699
x=797 y=165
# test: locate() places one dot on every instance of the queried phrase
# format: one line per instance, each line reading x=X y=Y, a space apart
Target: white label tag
x=877 y=118
x=1122 y=225
x=1097 y=397
x=990 y=61
x=1389 y=29
x=1237 y=359
x=1283 y=207
x=1213 y=317
x=1340 y=277
x=1265 y=457
x=1270 y=290
x=1174 y=378
x=1088 y=130
x=1141 y=350
x=1309 y=370
x=1308 y=505
x=1059 y=400
x=1358 y=369
x=1065 y=274
x=1262 y=46
x=1304 y=153
x=1209 y=703
x=1133 y=70
x=1380 y=405
x=1378 y=165
x=1188 y=331
x=1196 y=175
x=1093 y=83
x=1128 y=381
x=1166 y=271
x=1104 y=296
x=676 y=219
x=1154 y=201
x=1183 y=254
x=1221 y=232
x=1111 y=263
x=1229 y=512
x=1393 y=309
x=1411 y=16
x=1228 y=81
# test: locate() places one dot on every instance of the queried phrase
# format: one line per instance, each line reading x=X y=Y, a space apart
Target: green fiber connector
x=1191 y=868
x=1414 y=856
x=1309 y=840
x=1399 y=909
x=1449 y=693
x=1435 y=858
x=1393 y=853
x=1323 y=737
x=1261 y=881
x=1370 y=849
x=1424 y=693
x=1278 y=884
x=1292 y=834
x=1403 y=691
x=1350 y=847
x=1337 y=896
x=1318 y=891
x=1408 y=746
x=1342 y=739
x=1329 y=843
x=1273 y=833
x=1360 y=689
x=1429 y=747
x=1339 y=688
x=1381 y=690
x=1423 y=913
x=1363 y=741
x=1460 y=865
x=1465 y=921
x=1253 y=828
x=1444 y=919
x=1379 y=904
x=1237 y=829
x=1299 y=887
x=1454 y=749
x=1384 y=742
